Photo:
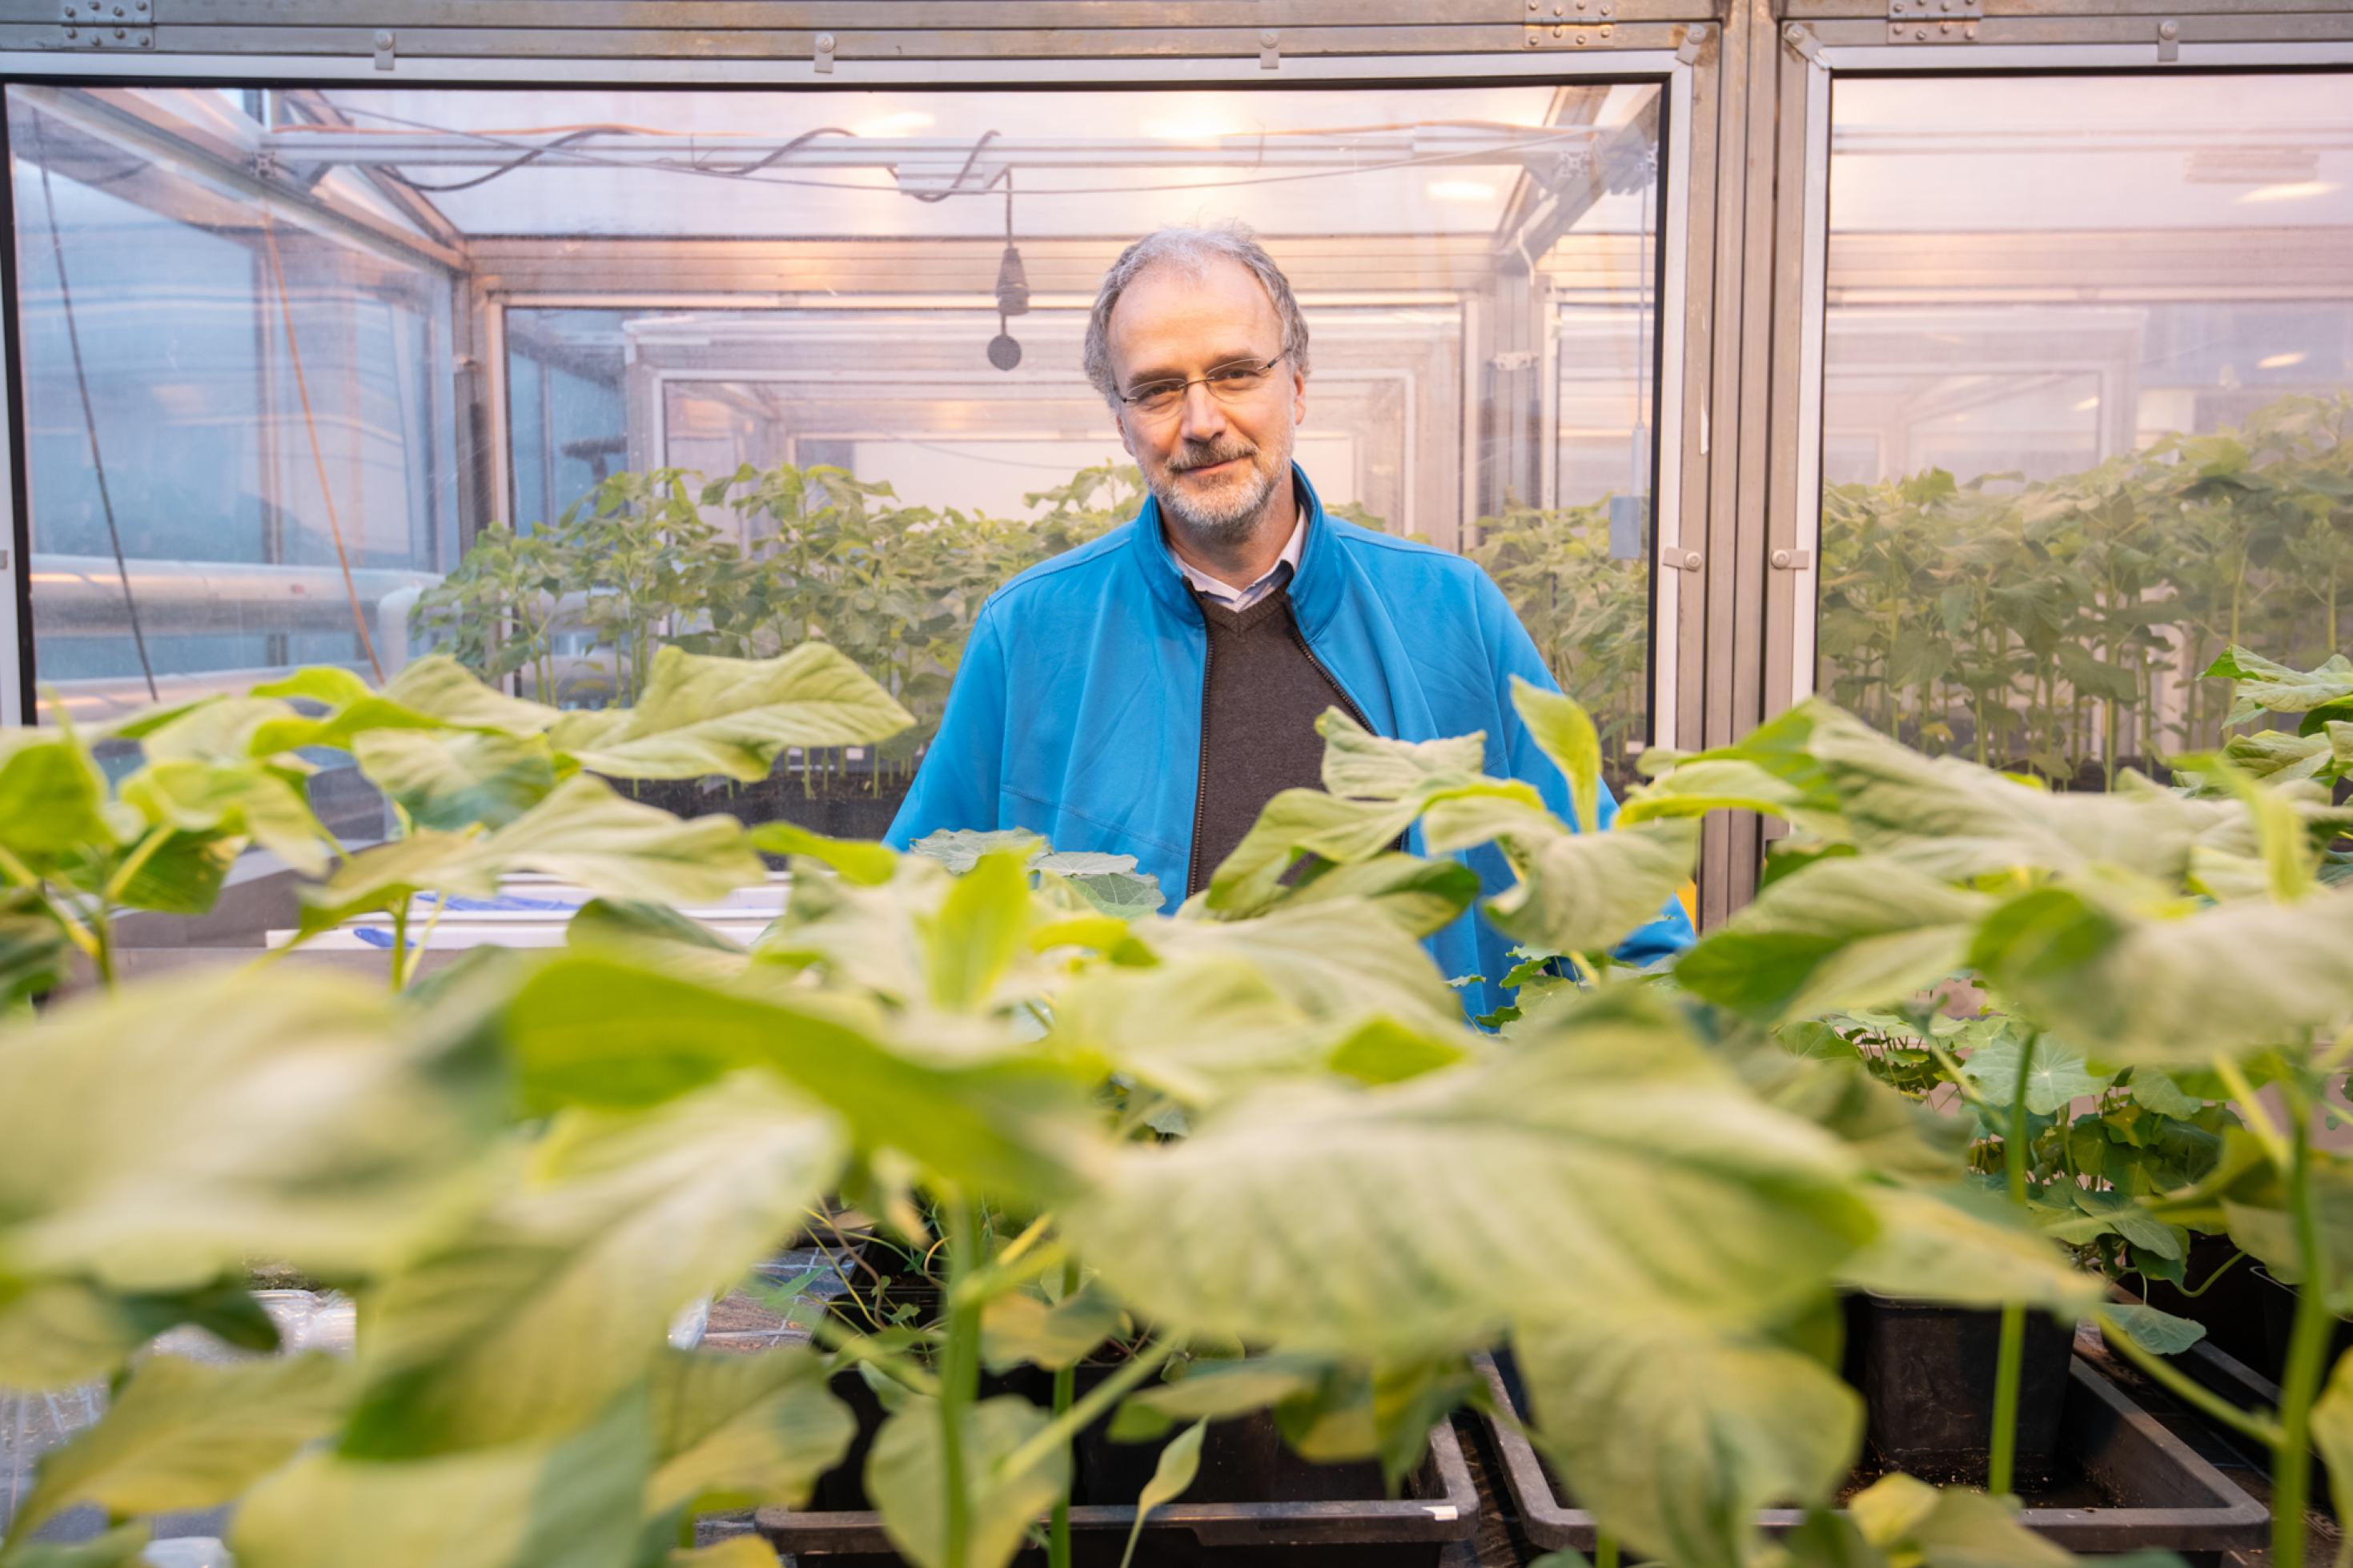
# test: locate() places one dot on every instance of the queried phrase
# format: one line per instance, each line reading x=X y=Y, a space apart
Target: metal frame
x=1742 y=240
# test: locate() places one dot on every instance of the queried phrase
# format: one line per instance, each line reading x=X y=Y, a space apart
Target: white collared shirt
x=1276 y=575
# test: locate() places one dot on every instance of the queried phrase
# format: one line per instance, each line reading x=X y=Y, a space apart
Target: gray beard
x=1230 y=523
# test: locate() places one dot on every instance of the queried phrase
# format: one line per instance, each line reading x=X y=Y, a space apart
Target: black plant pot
x=2277 y=1304
x=843 y=1488
x=2232 y=1308
x=1241 y=1457
x=1926 y=1374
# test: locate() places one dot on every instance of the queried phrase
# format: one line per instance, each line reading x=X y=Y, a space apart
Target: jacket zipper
x=1201 y=769
x=1329 y=679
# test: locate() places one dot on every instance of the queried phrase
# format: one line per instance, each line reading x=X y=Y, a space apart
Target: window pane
x=853 y=320
x=2089 y=376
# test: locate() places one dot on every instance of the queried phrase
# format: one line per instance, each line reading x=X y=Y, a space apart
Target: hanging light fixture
x=1012 y=291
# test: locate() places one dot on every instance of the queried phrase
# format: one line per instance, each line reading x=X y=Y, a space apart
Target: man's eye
x=1235 y=375
x=1154 y=391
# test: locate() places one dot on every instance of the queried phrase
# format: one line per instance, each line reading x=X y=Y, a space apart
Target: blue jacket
x=1077 y=710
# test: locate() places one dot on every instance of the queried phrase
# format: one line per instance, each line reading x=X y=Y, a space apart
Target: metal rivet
x=1560 y=32
x=2168 y=29
x=1605 y=32
x=1920 y=33
x=825 y=43
x=146 y=40
x=1532 y=40
x=1970 y=31
x=1945 y=27
x=1781 y=558
x=1580 y=40
x=73 y=33
x=1266 y=38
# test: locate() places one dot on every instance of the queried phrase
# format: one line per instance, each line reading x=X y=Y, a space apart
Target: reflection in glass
x=2088 y=389
x=771 y=367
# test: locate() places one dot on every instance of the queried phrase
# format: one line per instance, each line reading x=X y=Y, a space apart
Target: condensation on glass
x=2088 y=389
x=733 y=370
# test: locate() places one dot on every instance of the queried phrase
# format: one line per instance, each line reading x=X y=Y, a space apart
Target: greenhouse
x=1103 y=782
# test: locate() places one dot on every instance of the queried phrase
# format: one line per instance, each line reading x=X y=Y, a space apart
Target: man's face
x=1213 y=463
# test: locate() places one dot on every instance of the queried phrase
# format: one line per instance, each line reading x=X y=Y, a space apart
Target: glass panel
x=2089 y=377
x=847 y=324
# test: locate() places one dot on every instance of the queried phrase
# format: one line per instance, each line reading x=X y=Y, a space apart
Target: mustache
x=1209 y=457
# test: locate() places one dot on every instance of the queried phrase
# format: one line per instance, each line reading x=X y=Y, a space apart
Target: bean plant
x=1256 y=1129
x=2059 y=626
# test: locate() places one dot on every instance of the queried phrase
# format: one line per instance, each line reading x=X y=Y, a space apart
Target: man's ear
x=1126 y=441
x=1298 y=398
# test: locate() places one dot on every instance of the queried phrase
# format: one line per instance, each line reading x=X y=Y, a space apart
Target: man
x=1146 y=693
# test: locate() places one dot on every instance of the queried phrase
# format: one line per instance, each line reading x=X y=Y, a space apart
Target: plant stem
x=1604 y=1552
x=2199 y=1397
x=2002 y=1454
x=2307 y=1354
x=399 y=938
x=1058 y=1433
x=1066 y=1380
x=959 y=1382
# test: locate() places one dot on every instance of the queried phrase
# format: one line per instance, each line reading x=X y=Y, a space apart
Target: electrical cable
x=318 y=454
x=1540 y=137
x=89 y=414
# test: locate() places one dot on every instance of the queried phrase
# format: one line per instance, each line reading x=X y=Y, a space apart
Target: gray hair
x=1192 y=249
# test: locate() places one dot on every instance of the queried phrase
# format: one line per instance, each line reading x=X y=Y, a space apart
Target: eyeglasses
x=1227 y=384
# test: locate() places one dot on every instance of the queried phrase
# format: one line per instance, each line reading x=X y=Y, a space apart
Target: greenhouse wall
x=1988 y=373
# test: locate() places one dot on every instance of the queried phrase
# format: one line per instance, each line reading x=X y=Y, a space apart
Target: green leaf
x=703 y=714
x=2260 y=685
x=454 y=779
x=1586 y=892
x=1021 y=1326
x=961 y=848
x=556 y=1299
x=590 y=1029
x=982 y=925
x=1179 y=1463
x=656 y=936
x=1965 y=1247
x=151 y=1140
x=2158 y=1091
x=1330 y=958
x=240 y=801
x=1422 y=896
x=736 y=1551
x=868 y=864
x=1361 y=766
x=2332 y=1431
x=33 y=956
x=182 y=1435
x=1605 y=1157
x=1674 y=1431
x=2060 y=1075
x=2161 y=1333
x=906 y=1477
x=569 y=1502
x=441 y=686
x=583 y=833
x=743 y=1431
x=1120 y=894
x=1948 y=1529
x=122 y=1547
x=1837 y=934
x=1565 y=733
x=2175 y=987
x=2280 y=757
x=1215 y=1391
x=50 y=795
x=57 y=1333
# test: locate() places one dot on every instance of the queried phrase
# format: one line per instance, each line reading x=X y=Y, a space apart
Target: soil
x=851 y=806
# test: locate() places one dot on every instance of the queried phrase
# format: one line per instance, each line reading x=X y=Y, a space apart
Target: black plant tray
x=2135 y=1485
x=1339 y=1520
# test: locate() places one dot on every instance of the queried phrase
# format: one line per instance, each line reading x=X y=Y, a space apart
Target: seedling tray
x=1338 y=1519
x=2133 y=1485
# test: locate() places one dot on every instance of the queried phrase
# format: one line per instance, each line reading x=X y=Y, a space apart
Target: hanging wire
x=89 y=414
x=318 y=454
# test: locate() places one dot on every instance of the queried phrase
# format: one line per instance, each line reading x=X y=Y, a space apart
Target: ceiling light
x=898 y=124
x=2280 y=361
x=2294 y=191
x=1461 y=190
x=1199 y=126
x=2088 y=405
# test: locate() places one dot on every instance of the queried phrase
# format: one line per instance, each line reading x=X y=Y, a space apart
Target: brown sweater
x=1261 y=697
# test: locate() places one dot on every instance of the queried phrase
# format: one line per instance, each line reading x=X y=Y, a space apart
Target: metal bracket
x=1269 y=56
x=1695 y=39
x=1799 y=40
x=1792 y=560
x=825 y=54
x=1577 y=23
x=386 y=42
x=108 y=23
x=1515 y=359
x=1934 y=21
x=2169 y=42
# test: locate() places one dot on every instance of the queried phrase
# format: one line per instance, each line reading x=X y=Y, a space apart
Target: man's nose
x=1204 y=415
